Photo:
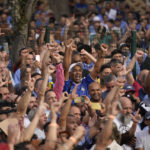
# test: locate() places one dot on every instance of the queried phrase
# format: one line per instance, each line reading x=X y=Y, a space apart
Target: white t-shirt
x=40 y=133
x=143 y=139
x=113 y=146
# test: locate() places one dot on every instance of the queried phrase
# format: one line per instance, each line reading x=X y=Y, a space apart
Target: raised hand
x=68 y=22
x=104 y=48
x=73 y=94
x=30 y=84
x=139 y=54
x=50 y=69
x=85 y=23
x=57 y=58
x=79 y=132
x=87 y=101
x=137 y=117
x=70 y=44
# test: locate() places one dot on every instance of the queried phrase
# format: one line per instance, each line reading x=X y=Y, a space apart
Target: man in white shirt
x=127 y=125
x=143 y=137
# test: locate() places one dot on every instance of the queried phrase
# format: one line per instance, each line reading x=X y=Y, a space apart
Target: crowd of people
x=80 y=83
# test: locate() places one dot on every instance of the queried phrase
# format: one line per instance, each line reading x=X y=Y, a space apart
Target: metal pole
x=133 y=50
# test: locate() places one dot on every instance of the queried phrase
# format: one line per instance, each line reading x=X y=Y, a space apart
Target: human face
x=110 y=85
x=95 y=92
x=33 y=103
x=84 y=58
x=5 y=93
x=43 y=119
x=2 y=68
x=76 y=58
x=76 y=74
x=127 y=107
x=105 y=72
x=29 y=60
x=75 y=111
x=116 y=69
x=71 y=125
x=118 y=56
x=50 y=97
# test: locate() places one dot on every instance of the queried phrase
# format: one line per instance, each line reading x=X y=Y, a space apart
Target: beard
x=125 y=119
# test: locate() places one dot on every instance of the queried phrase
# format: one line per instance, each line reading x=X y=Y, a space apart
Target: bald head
x=95 y=91
x=127 y=107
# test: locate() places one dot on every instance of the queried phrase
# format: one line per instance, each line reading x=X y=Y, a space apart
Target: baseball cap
x=75 y=64
x=129 y=88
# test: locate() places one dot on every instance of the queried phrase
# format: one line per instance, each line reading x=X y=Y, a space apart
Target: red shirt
x=137 y=87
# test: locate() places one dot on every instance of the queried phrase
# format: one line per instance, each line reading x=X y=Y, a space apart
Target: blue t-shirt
x=82 y=88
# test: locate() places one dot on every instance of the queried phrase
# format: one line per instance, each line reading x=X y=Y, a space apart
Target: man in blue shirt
x=74 y=72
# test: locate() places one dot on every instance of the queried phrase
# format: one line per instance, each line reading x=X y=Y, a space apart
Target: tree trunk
x=22 y=11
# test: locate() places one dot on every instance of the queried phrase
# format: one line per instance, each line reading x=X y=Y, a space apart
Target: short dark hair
x=116 y=51
x=108 y=78
x=35 y=74
x=22 y=50
x=36 y=82
x=22 y=146
x=104 y=67
x=113 y=62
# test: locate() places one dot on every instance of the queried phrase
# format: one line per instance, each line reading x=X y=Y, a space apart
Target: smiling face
x=95 y=92
x=76 y=74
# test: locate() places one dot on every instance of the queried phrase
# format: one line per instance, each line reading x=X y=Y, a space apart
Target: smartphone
x=79 y=99
x=96 y=106
x=37 y=58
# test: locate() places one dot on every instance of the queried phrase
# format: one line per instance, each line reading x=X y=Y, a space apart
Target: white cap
x=75 y=64
x=96 y=18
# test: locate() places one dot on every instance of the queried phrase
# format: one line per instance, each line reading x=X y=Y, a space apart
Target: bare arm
x=29 y=131
x=97 y=66
x=68 y=57
x=25 y=99
x=93 y=59
x=42 y=35
x=65 y=110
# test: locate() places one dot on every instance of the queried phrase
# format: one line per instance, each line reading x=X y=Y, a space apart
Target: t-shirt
x=113 y=146
x=143 y=139
x=40 y=134
x=82 y=88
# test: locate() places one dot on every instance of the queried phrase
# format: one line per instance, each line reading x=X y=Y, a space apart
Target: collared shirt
x=82 y=88
x=17 y=78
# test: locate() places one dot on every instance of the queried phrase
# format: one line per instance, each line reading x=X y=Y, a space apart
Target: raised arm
x=93 y=59
x=59 y=83
x=29 y=131
x=106 y=132
x=25 y=99
x=52 y=131
x=69 y=47
x=131 y=65
x=65 y=110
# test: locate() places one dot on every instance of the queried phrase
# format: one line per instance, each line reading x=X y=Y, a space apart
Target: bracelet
x=73 y=140
x=53 y=125
x=111 y=117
